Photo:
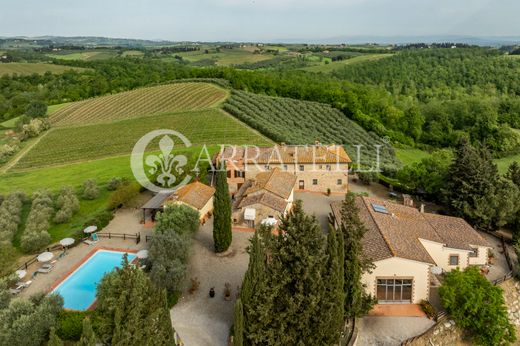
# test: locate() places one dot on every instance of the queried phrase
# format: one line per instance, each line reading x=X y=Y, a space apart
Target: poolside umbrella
x=90 y=229
x=67 y=242
x=142 y=254
x=45 y=256
x=21 y=273
x=270 y=221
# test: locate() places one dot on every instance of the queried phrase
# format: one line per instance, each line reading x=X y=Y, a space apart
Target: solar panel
x=379 y=208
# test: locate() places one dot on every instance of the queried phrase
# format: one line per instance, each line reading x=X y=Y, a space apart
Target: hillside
x=301 y=122
x=83 y=143
x=139 y=103
x=21 y=68
x=338 y=65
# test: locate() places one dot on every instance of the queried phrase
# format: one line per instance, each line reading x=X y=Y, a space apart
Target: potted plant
x=212 y=292
x=227 y=291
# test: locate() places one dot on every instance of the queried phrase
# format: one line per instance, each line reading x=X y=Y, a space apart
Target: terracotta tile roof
x=266 y=198
x=195 y=194
x=455 y=232
x=275 y=181
x=396 y=233
x=288 y=154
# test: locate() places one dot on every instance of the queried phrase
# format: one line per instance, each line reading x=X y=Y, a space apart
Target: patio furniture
x=22 y=285
x=45 y=256
x=44 y=270
x=47 y=266
x=14 y=291
x=21 y=273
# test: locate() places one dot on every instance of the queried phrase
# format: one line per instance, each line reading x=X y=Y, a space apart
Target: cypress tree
x=238 y=326
x=357 y=302
x=296 y=270
x=222 y=235
x=332 y=319
x=54 y=340
x=88 y=338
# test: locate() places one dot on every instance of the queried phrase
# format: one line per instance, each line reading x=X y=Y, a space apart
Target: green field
x=227 y=57
x=139 y=103
x=87 y=56
x=9 y=123
x=335 y=65
x=301 y=122
x=73 y=144
x=410 y=156
x=22 y=68
x=54 y=108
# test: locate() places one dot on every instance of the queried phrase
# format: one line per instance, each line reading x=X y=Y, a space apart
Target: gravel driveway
x=387 y=331
x=198 y=319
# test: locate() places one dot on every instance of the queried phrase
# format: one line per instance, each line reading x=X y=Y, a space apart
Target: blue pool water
x=79 y=289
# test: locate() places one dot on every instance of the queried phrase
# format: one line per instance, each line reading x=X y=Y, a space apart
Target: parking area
x=197 y=318
x=390 y=331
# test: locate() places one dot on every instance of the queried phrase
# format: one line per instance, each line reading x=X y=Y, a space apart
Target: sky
x=258 y=20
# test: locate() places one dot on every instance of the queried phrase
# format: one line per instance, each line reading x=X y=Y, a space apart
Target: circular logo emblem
x=160 y=171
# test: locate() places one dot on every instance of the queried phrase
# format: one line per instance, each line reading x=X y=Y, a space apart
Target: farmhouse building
x=317 y=167
x=196 y=195
x=267 y=196
x=405 y=244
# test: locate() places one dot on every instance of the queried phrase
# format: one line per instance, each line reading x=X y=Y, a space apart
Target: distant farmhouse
x=406 y=244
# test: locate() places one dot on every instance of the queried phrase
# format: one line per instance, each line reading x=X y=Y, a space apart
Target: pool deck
x=125 y=221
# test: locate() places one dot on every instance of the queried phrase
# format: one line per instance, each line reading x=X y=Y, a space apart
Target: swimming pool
x=79 y=288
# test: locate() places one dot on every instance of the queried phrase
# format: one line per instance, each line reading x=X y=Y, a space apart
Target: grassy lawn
x=227 y=57
x=75 y=174
x=411 y=155
x=330 y=67
x=503 y=163
x=9 y=123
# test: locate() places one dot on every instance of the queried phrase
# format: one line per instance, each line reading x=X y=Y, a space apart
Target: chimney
x=422 y=208
x=408 y=200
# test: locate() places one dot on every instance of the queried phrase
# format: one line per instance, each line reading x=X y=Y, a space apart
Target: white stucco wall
x=482 y=257
x=396 y=267
x=441 y=255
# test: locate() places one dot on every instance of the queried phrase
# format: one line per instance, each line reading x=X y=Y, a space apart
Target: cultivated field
x=335 y=65
x=300 y=122
x=87 y=56
x=74 y=144
x=227 y=57
x=139 y=103
x=22 y=68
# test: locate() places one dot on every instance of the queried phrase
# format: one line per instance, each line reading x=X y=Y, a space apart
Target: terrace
x=125 y=222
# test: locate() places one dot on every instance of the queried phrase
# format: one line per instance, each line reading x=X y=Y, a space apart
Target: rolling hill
x=22 y=68
x=140 y=103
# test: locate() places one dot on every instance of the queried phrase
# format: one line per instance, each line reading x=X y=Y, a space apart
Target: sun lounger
x=14 y=290
x=22 y=285
x=44 y=270
x=89 y=242
x=61 y=255
x=47 y=266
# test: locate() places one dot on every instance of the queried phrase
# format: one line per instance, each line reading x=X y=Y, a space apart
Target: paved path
x=388 y=331
x=198 y=319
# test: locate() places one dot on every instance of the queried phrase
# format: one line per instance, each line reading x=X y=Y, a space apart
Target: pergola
x=156 y=203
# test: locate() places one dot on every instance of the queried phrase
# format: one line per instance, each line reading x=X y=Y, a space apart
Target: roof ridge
x=363 y=198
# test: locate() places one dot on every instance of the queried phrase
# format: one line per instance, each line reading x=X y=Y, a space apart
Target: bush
x=34 y=128
x=90 y=189
x=67 y=203
x=367 y=177
x=122 y=195
x=101 y=219
x=35 y=235
x=477 y=306
x=116 y=182
x=428 y=309
x=70 y=324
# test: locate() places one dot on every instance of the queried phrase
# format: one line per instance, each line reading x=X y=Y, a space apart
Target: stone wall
x=512 y=297
x=444 y=333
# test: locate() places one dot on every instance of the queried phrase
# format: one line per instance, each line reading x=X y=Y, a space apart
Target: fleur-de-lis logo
x=165 y=163
x=165 y=167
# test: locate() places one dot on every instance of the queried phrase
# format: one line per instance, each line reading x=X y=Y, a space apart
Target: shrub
x=70 y=324
x=67 y=203
x=367 y=177
x=101 y=219
x=122 y=195
x=10 y=211
x=477 y=306
x=35 y=235
x=34 y=128
x=90 y=189
x=428 y=309
x=116 y=182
